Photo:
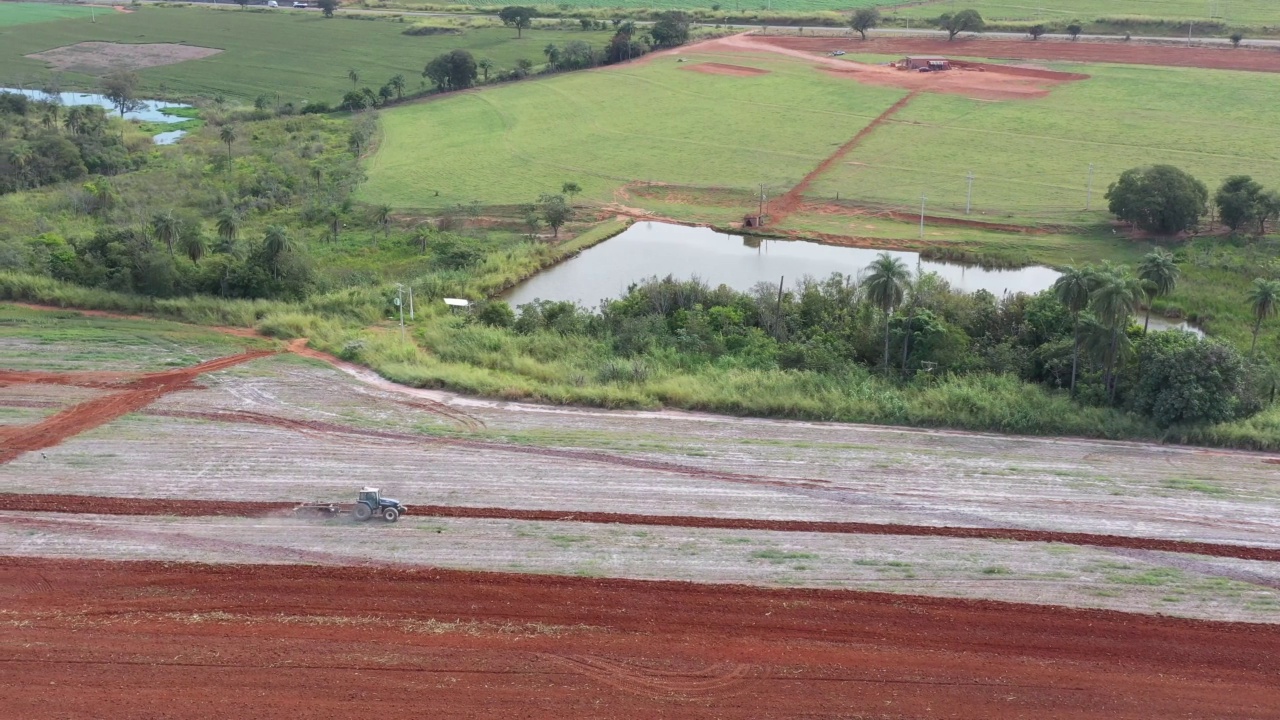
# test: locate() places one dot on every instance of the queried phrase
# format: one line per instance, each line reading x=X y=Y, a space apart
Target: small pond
x=148 y=110
x=647 y=249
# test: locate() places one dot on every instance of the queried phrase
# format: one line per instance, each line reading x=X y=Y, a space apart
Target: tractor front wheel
x=391 y=515
x=363 y=512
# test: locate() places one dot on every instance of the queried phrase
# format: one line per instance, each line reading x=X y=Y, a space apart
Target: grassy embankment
x=301 y=56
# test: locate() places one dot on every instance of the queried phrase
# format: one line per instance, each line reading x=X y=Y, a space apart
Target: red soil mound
x=130 y=640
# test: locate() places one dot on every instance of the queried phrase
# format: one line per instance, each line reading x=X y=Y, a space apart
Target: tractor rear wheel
x=391 y=515
x=363 y=512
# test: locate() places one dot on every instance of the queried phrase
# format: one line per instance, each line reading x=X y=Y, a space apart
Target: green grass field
x=22 y=13
x=654 y=122
x=1031 y=158
x=300 y=55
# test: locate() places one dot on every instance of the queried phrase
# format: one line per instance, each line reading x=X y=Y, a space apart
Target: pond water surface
x=148 y=110
x=647 y=249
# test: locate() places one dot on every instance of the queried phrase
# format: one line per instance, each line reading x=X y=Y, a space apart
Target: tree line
x=1078 y=336
x=42 y=142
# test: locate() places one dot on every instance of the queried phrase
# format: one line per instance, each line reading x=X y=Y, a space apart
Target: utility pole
x=761 y=210
x=922 y=198
x=410 y=302
x=968 y=200
x=1088 y=190
x=1190 y=25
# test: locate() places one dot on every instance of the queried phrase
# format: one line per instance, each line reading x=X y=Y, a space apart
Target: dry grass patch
x=93 y=58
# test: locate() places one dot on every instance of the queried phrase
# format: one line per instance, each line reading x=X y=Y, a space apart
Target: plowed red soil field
x=225 y=508
x=85 y=639
x=1128 y=53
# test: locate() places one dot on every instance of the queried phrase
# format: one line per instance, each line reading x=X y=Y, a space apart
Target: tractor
x=369 y=503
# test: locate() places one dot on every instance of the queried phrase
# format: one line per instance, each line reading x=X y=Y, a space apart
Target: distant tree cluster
x=1164 y=200
x=42 y=142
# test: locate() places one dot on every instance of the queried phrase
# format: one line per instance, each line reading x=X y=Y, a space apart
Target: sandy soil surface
x=1148 y=582
x=1213 y=58
x=94 y=58
x=291 y=641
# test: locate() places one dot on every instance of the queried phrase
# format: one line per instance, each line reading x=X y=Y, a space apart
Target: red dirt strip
x=133 y=396
x=794 y=197
x=103 y=640
x=1256 y=60
x=227 y=508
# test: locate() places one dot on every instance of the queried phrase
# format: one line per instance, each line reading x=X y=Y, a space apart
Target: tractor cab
x=370 y=502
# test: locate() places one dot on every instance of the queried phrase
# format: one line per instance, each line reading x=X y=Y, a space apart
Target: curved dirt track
x=194 y=641
x=83 y=504
x=1095 y=52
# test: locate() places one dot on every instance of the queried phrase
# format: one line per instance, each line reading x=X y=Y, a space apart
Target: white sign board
x=456 y=302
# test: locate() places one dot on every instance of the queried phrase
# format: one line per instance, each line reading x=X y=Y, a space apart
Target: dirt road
x=296 y=641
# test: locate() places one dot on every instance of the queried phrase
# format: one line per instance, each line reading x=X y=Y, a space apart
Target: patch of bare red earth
x=91 y=639
x=87 y=504
x=1093 y=52
x=129 y=397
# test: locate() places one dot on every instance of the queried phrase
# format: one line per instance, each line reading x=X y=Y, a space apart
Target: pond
x=647 y=249
x=147 y=111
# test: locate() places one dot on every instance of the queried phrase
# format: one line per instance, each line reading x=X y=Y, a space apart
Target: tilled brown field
x=86 y=639
x=202 y=464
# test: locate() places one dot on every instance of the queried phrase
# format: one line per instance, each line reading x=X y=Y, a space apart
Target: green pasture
x=1030 y=158
x=23 y=13
x=302 y=56
x=651 y=122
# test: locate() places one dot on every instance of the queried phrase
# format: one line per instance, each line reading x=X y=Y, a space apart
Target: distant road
x=812 y=31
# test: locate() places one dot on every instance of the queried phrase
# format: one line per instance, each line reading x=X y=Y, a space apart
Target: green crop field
x=22 y=13
x=650 y=122
x=1031 y=158
x=303 y=56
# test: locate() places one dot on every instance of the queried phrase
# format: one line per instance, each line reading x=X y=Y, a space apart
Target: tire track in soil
x=714 y=681
x=88 y=504
x=794 y=197
x=133 y=396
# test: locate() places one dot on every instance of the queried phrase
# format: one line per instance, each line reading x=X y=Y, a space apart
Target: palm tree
x=277 y=243
x=1264 y=299
x=1159 y=276
x=354 y=76
x=317 y=173
x=1115 y=294
x=228 y=227
x=485 y=65
x=21 y=155
x=165 y=226
x=1072 y=290
x=194 y=246
x=397 y=83
x=228 y=136
x=333 y=218
x=382 y=217
x=883 y=281
x=553 y=54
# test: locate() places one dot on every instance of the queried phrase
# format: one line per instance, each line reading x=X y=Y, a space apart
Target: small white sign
x=456 y=302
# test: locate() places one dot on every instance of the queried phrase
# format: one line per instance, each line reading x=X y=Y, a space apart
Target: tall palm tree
x=228 y=227
x=1115 y=294
x=485 y=65
x=397 y=83
x=317 y=173
x=333 y=218
x=1159 y=276
x=1072 y=290
x=1264 y=299
x=228 y=136
x=194 y=246
x=277 y=244
x=883 y=281
x=354 y=76
x=382 y=216
x=166 y=228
